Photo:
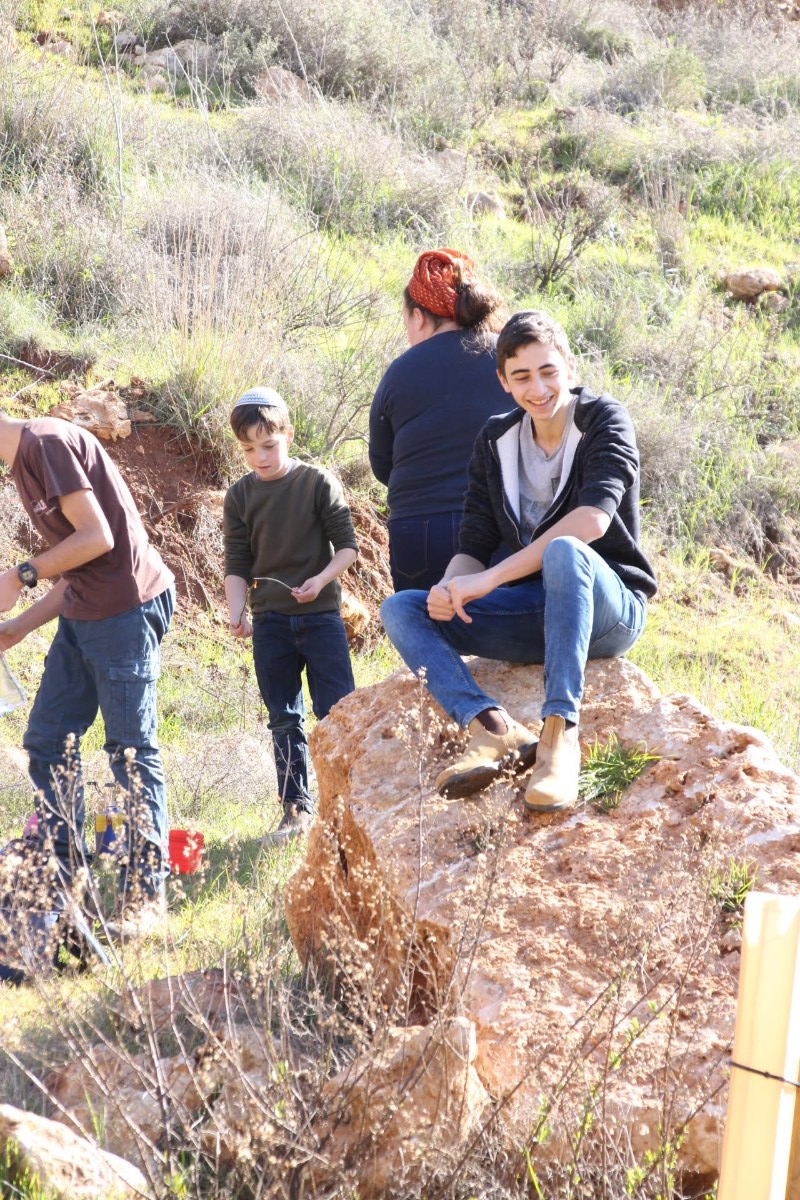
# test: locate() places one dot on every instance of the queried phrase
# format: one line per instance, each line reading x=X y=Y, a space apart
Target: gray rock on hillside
x=65 y=1165
x=276 y=84
x=485 y=204
x=585 y=948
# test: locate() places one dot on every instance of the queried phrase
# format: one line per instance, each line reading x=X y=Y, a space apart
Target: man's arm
x=585 y=523
x=45 y=609
x=90 y=538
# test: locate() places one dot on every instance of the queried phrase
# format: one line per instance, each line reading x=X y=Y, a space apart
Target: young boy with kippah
x=288 y=536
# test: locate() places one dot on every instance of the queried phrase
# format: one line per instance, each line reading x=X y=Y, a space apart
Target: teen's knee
x=403 y=608
x=564 y=556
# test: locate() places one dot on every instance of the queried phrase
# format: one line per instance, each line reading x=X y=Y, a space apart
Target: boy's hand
x=308 y=590
x=241 y=628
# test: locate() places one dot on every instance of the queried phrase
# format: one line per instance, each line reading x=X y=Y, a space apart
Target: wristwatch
x=28 y=574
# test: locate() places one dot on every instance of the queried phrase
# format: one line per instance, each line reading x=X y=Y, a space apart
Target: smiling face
x=539 y=378
x=267 y=454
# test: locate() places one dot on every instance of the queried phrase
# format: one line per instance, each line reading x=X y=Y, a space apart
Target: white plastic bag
x=11 y=693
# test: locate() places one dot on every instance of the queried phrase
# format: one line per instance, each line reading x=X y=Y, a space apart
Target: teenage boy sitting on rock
x=289 y=532
x=557 y=481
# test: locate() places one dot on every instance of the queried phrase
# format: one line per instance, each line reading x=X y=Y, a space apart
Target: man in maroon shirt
x=114 y=598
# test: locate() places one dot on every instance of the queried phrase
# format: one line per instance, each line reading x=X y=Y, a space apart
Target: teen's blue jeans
x=578 y=609
x=282 y=646
x=111 y=665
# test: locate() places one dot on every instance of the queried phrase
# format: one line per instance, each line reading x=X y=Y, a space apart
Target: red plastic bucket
x=185 y=851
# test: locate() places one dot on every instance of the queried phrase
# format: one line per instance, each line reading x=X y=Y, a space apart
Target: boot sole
x=548 y=808
x=458 y=787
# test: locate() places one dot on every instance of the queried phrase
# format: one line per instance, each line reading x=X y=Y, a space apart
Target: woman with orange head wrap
x=428 y=410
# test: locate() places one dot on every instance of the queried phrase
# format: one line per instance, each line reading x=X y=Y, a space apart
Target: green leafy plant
x=609 y=769
x=729 y=886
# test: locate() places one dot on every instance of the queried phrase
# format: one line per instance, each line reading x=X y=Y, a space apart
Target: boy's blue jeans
x=112 y=665
x=282 y=646
x=578 y=609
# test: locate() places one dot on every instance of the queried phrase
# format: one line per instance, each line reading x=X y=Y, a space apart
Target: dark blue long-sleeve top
x=429 y=408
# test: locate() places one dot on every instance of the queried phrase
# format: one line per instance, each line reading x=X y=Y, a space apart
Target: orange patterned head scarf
x=436 y=278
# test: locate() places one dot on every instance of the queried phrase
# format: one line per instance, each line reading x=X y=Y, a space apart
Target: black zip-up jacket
x=601 y=469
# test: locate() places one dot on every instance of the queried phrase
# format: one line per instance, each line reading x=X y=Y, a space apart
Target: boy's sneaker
x=139 y=917
x=295 y=820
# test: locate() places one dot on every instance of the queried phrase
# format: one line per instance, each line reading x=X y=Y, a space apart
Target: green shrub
x=51 y=122
x=69 y=252
x=334 y=161
x=384 y=55
x=672 y=77
x=608 y=769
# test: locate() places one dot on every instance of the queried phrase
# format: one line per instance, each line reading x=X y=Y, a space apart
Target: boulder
x=101 y=412
x=65 y=1165
x=126 y=41
x=129 y=1097
x=412 y=1098
x=750 y=283
x=61 y=48
x=276 y=83
x=587 y=948
x=355 y=615
x=485 y=204
x=162 y=60
x=774 y=302
x=199 y=59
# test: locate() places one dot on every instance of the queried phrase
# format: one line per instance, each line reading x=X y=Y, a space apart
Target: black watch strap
x=28 y=574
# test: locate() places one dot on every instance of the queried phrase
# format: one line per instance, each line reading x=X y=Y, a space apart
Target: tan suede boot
x=554 y=781
x=486 y=757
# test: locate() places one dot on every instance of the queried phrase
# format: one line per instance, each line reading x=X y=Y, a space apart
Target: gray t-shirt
x=539 y=475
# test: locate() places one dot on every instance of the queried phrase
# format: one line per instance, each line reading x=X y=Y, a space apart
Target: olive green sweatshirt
x=287 y=528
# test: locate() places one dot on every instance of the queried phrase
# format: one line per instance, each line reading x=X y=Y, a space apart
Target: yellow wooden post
x=757 y=1147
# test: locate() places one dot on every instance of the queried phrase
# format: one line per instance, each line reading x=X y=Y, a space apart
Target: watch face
x=28 y=574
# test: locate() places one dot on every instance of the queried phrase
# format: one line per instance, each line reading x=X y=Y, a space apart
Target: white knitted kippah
x=263 y=397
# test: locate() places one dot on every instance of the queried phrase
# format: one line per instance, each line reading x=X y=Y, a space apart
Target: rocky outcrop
x=589 y=950
x=64 y=1165
x=275 y=84
x=102 y=412
x=381 y=1141
x=750 y=283
x=485 y=204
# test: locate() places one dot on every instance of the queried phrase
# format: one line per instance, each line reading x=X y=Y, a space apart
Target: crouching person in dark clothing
x=557 y=481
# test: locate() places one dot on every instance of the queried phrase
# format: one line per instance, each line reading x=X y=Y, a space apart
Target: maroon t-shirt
x=55 y=459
